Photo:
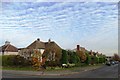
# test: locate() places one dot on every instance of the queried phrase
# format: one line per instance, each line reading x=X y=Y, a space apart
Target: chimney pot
x=49 y=40
x=7 y=42
x=38 y=39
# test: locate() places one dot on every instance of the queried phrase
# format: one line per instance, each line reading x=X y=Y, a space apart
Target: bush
x=102 y=59
x=74 y=58
x=15 y=60
x=96 y=60
x=64 y=59
x=7 y=60
x=88 y=60
x=82 y=56
x=52 y=63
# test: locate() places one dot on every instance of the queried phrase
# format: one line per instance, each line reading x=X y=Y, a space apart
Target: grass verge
x=18 y=68
x=51 y=69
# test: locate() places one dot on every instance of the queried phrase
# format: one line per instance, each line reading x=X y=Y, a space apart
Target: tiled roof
x=9 y=48
x=37 y=45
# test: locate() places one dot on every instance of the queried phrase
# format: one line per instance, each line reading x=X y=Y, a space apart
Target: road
x=102 y=72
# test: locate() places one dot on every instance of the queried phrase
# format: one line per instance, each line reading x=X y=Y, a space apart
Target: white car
x=108 y=63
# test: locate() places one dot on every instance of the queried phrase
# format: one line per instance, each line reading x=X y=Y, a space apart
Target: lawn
x=18 y=68
x=51 y=69
x=73 y=68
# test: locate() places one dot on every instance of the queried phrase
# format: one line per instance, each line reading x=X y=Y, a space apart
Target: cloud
x=67 y=23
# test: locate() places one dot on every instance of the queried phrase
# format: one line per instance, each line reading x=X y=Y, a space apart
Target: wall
x=10 y=53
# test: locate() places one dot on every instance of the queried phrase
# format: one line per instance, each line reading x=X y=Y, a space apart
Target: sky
x=93 y=25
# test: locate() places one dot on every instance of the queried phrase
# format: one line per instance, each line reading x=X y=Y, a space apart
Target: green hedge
x=7 y=60
x=64 y=59
x=52 y=63
x=15 y=60
x=96 y=60
x=88 y=60
x=102 y=59
x=74 y=58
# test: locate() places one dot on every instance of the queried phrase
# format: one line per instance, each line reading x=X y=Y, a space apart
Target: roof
x=37 y=44
x=9 y=48
x=51 y=44
x=81 y=48
x=21 y=48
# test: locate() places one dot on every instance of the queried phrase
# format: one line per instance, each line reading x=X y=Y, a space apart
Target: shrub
x=7 y=60
x=15 y=60
x=88 y=60
x=102 y=59
x=96 y=60
x=82 y=56
x=64 y=59
x=52 y=63
x=74 y=58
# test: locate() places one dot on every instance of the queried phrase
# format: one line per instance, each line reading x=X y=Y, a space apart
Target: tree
x=64 y=59
x=82 y=56
x=70 y=54
x=102 y=59
x=96 y=59
x=36 y=59
x=88 y=59
x=116 y=57
x=74 y=58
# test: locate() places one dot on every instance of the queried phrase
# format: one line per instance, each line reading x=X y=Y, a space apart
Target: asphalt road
x=103 y=72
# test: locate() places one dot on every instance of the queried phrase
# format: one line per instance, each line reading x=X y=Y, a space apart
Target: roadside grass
x=18 y=68
x=29 y=68
x=73 y=68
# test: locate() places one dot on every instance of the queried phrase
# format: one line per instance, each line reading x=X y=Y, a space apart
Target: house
x=81 y=53
x=108 y=58
x=53 y=51
x=79 y=48
x=8 y=49
x=49 y=49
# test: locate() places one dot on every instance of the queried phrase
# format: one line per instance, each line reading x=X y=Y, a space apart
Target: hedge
x=15 y=60
x=73 y=58
x=102 y=59
x=88 y=60
x=64 y=59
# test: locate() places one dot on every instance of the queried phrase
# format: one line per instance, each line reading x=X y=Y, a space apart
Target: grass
x=48 y=68
x=18 y=68
x=72 y=68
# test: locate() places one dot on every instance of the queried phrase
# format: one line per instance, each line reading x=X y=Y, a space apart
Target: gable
x=9 y=48
x=36 y=45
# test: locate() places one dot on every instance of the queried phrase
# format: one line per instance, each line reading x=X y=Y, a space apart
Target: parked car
x=113 y=62
x=116 y=62
x=108 y=63
x=67 y=65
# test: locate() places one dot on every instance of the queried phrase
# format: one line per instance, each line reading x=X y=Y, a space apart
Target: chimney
x=90 y=50
x=49 y=40
x=38 y=39
x=7 y=42
x=78 y=47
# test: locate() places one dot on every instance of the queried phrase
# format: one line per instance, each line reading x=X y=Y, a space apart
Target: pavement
x=89 y=72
